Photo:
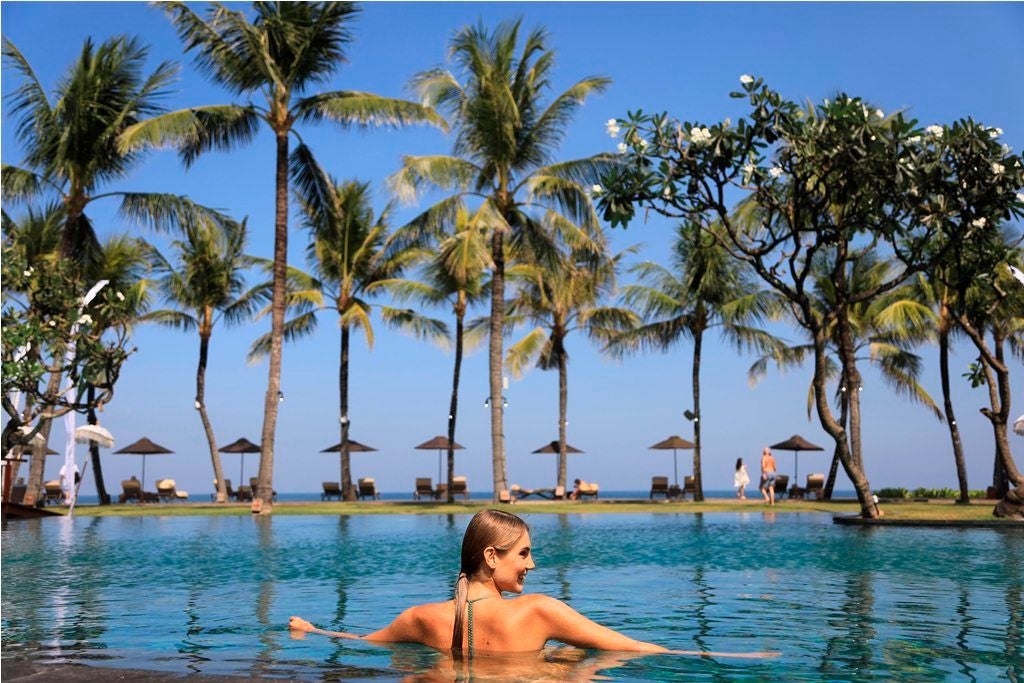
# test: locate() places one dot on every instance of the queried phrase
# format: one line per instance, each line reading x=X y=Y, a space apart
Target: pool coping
x=855 y=520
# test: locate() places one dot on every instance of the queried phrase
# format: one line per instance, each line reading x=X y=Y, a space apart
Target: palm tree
x=559 y=300
x=71 y=151
x=453 y=274
x=123 y=262
x=347 y=252
x=884 y=330
x=932 y=291
x=703 y=288
x=285 y=50
x=206 y=285
x=506 y=137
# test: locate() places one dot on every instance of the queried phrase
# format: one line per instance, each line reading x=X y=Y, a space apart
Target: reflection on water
x=212 y=595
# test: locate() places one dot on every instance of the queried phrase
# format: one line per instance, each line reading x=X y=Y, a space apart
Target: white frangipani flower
x=700 y=136
x=934 y=130
x=775 y=171
x=914 y=139
x=28 y=273
x=612 y=126
x=53 y=323
x=879 y=113
x=120 y=296
x=1020 y=196
x=596 y=189
x=998 y=168
x=642 y=143
x=995 y=132
x=85 y=319
x=979 y=222
x=667 y=192
x=623 y=148
x=746 y=79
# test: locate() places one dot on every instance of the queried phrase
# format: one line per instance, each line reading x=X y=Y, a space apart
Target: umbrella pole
x=675 y=467
x=796 y=467
x=142 y=483
x=438 y=465
x=241 y=471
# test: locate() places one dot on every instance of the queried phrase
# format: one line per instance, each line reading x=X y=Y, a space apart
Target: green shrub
x=893 y=492
x=922 y=492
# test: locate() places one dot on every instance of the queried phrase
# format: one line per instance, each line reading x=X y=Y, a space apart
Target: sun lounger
x=459 y=487
x=588 y=490
x=131 y=489
x=659 y=487
x=166 y=489
x=332 y=489
x=781 y=485
x=424 y=487
x=367 y=489
x=815 y=486
x=441 y=492
x=52 y=492
x=504 y=496
x=243 y=493
x=688 y=487
x=231 y=493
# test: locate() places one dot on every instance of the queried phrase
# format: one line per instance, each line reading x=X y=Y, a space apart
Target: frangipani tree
x=791 y=184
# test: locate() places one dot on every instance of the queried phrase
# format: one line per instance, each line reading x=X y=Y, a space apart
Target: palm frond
x=296 y=328
x=168 y=318
x=194 y=131
x=354 y=108
x=526 y=351
x=21 y=185
x=419 y=326
x=167 y=212
x=437 y=171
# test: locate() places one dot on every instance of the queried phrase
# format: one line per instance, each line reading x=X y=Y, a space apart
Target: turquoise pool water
x=213 y=594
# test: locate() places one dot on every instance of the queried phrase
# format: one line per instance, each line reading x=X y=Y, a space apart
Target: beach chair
x=659 y=487
x=815 y=486
x=781 y=485
x=424 y=487
x=332 y=489
x=131 y=489
x=504 y=496
x=459 y=487
x=166 y=489
x=688 y=487
x=254 y=486
x=367 y=488
x=589 y=490
x=231 y=493
x=52 y=492
x=243 y=493
x=441 y=492
x=559 y=493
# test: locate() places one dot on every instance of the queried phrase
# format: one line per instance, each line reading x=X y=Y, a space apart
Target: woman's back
x=495 y=625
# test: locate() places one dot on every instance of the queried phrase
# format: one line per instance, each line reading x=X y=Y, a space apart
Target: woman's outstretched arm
x=302 y=626
x=569 y=626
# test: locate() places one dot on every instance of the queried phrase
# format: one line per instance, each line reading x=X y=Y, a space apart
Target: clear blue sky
x=939 y=61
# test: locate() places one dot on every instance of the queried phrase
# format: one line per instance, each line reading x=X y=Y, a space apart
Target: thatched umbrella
x=552 y=447
x=143 y=447
x=241 y=446
x=675 y=443
x=353 y=447
x=438 y=443
x=796 y=443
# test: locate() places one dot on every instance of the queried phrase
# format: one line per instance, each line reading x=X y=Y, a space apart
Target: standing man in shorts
x=768 y=476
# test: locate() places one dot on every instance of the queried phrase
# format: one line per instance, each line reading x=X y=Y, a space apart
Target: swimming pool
x=213 y=594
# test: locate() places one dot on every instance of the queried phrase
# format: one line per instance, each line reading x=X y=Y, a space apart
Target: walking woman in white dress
x=740 y=479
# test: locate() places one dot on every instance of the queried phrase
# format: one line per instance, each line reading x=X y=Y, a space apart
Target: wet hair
x=739 y=463
x=488 y=529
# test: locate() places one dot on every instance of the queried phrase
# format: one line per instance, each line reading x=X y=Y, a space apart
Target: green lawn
x=936 y=510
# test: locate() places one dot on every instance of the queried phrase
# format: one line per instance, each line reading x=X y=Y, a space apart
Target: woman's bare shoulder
x=433 y=611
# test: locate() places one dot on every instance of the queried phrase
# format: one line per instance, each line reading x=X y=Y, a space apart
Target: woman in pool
x=496 y=557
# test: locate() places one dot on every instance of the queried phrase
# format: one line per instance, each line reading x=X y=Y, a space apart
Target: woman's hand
x=300 y=624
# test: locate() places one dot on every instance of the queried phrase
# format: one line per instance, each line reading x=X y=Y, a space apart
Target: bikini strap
x=469 y=607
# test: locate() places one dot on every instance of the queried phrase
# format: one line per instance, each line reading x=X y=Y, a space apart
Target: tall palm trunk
x=698 y=486
x=218 y=471
x=563 y=404
x=495 y=360
x=453 y=411
x=94 y=452
x=947 y=401
x=263 y=503
x=347 y=491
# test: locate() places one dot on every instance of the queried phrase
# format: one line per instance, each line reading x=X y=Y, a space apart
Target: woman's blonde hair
x=488 y=529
